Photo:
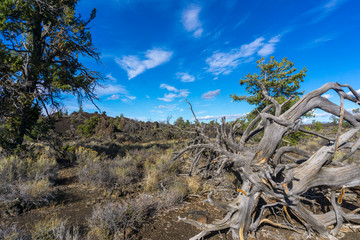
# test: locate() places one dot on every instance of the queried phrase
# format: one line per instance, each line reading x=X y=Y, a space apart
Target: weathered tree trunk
x=285 y=185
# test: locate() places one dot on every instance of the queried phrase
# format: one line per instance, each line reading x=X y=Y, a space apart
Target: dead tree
x=270 y=172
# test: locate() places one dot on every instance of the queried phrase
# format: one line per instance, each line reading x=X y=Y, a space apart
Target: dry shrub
x=161 y=173
x=100 y=171
x=312 y=146
x=35 y=189
x=54 y=229
x=11 y=232
x=118 y=220
x=339 y=155
x=174 y=195
x=27 y=182
x=193 y=185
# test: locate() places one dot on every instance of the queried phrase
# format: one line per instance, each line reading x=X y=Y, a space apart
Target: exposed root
x=270 y=171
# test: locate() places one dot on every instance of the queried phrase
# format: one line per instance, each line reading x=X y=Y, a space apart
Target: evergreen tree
x=40 y=45
x=279 y=79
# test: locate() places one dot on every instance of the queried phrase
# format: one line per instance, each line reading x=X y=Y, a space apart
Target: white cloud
x=110 y=77
x=211 y=94
x=226 y=62
x=130 y=97
x=110 y=89
x=322 y=114
x=269 y=47
x=323 y=10
x=116 y=91
x=168 y=87
x=134 y=66
x=168 y=108
x=185 y=77
x=327 y=96
x=114 y=97
x=350 y=93
x=178 y=93
x=234 y=116
x=191 y=21
x=169 y=97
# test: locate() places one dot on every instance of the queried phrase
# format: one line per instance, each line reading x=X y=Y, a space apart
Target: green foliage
x=294 y=137
x=279 y=79
x=87 y=129
x=356 y=110
x=334 y=119
x=317 y=125
x=180 y=123
x=40 y=45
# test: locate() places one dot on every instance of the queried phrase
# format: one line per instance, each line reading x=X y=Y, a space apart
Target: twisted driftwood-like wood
x=268 y=172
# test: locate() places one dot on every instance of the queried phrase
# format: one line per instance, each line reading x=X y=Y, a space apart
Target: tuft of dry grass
x=193 y=184
x=26 y=181
x=11 y=232
x=54 y=228
x=119 y=220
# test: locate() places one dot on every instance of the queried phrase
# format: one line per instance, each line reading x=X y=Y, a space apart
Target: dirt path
x=74 y=202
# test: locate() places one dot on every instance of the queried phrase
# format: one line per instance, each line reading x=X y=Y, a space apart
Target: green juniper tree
x=40 y=45
x=280 y=81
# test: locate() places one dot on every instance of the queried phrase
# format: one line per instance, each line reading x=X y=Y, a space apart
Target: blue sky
x=154 y=52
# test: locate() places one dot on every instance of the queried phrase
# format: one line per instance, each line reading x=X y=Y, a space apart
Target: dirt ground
x=76 y=201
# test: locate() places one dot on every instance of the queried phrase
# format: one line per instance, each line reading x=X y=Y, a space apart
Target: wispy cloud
x=327 y=96
x=234 y=116
x=134 y=66
x=191 y=21
x=185 y=77
x=242 y=21
x=226 y=62
x=167 y=108
x=319 y=41
x=174 y=93
x=211 y=94
x=110 y=89
x=116 y=91
x=323 y=10
x=128 y=98
x=113 y=97
x=110 y=77
x=269 y=47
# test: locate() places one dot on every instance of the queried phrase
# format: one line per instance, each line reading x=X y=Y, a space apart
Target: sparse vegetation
x=54 y=228
x=88 y=128
x=120 y=220
x=25 y=182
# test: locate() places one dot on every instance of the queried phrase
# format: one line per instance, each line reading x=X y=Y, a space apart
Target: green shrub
x=317 y=125
x=87 y=129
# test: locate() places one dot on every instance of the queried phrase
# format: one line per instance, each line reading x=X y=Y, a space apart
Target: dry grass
x=27 y=181
x=54 y=229
x=119 y=220
x=11 y=232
